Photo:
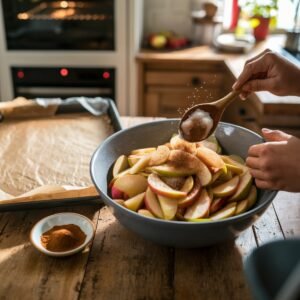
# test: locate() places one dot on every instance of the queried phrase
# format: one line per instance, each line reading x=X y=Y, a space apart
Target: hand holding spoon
x=201 y=120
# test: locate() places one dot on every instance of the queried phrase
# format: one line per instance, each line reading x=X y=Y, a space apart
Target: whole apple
x=158 y=41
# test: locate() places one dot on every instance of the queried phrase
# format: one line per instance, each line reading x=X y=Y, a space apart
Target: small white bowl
x=49 y=222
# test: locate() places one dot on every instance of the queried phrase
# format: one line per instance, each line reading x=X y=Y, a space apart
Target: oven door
x=66 y=25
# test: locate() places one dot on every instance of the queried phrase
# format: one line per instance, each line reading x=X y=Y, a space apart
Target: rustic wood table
x=121 y=265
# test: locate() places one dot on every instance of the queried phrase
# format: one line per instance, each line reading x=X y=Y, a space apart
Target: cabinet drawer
x=183 y=79
x=165 y=102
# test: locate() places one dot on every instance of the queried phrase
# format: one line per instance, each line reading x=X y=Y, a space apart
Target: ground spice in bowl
x=63 y=238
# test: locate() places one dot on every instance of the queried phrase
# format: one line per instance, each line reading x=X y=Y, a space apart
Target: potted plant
x=260 y=12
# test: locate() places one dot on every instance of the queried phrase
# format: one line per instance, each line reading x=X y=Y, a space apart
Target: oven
x=59 y=25
x=63 y=82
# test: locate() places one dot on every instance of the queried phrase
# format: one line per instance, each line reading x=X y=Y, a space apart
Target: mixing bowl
x=233 y=139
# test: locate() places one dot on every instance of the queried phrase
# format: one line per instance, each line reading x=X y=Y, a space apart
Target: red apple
x=192 y=195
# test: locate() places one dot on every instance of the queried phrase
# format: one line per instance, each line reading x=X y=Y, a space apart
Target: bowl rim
x=39 y=247
x=107 y=198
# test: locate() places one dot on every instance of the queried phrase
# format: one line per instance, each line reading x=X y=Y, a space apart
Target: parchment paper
x=48 y=158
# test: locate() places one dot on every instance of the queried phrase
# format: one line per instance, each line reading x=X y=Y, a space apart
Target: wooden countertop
x=266 y=102
x=120 y=265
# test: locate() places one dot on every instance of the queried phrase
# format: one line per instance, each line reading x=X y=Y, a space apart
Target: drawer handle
x=195 y=81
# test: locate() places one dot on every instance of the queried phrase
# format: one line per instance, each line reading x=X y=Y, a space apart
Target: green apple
x=161 y=188
x=200 y=208
x=243 y=188
x=211 y=159
x=192 y=195
x=226 y=212
x=120 y=165
x=145 y=213
x=227 y=188
x=158 y=41
x=135 y=202
x=128 y=186
x=152 y=204
x=168 y=207
x=160 y=156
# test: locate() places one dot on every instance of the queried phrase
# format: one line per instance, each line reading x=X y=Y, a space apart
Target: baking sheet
x=47 y=159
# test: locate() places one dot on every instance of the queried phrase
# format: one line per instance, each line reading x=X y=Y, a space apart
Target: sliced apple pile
x=183 y=181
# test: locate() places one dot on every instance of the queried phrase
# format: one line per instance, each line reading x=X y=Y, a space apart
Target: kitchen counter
x=265 y=102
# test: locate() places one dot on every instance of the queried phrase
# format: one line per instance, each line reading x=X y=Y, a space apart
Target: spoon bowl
x=214 y=109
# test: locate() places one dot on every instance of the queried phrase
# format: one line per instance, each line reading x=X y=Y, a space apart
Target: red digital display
x=106 y=75
x=20 y=74
x=64 y=72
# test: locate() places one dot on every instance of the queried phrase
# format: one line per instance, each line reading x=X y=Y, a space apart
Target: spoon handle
x=223 y=102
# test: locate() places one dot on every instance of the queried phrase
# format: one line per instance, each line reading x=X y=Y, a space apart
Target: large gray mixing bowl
x=233 y=139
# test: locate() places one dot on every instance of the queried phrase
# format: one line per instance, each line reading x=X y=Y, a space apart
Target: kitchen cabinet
x=168 y=88
x=170 y=82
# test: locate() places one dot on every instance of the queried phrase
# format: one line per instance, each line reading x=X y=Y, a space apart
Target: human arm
x=269 y=71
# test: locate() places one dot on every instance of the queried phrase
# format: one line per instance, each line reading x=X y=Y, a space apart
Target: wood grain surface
x=121 y=265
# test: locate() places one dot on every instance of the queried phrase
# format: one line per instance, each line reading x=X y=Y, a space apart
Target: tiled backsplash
x=164 y=15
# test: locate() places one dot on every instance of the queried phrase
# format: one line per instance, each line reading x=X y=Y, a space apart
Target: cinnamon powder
x=63 y=238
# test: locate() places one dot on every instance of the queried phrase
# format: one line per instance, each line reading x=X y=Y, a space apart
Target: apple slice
x=145 y=213
x=179 y=158
x=228 y=160
x=179 y=144
x=200 y=208
x=135 y=202
x=168 y=207
x=204 y=174
x=140 y=165
x=152 y=204
x=226 y=212
x=180 y=213
x=216 y=205
x=133 y=159
x=243 y=188
x=202 y=220
x=192 y=195
x=188 y=185
x=241 y=206
x=234 y=169
x=212 y=146
x=143 y=151
x=119 y=201
x=226 y=189
x=172 y=171
x=159 y=187
x=128 y=186
x=160 y=156
x=174 y=182
x=120 y=165
x=211 y=159
x=252 y=197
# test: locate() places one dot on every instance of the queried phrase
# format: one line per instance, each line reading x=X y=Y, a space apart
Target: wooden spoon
x=215 y=110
